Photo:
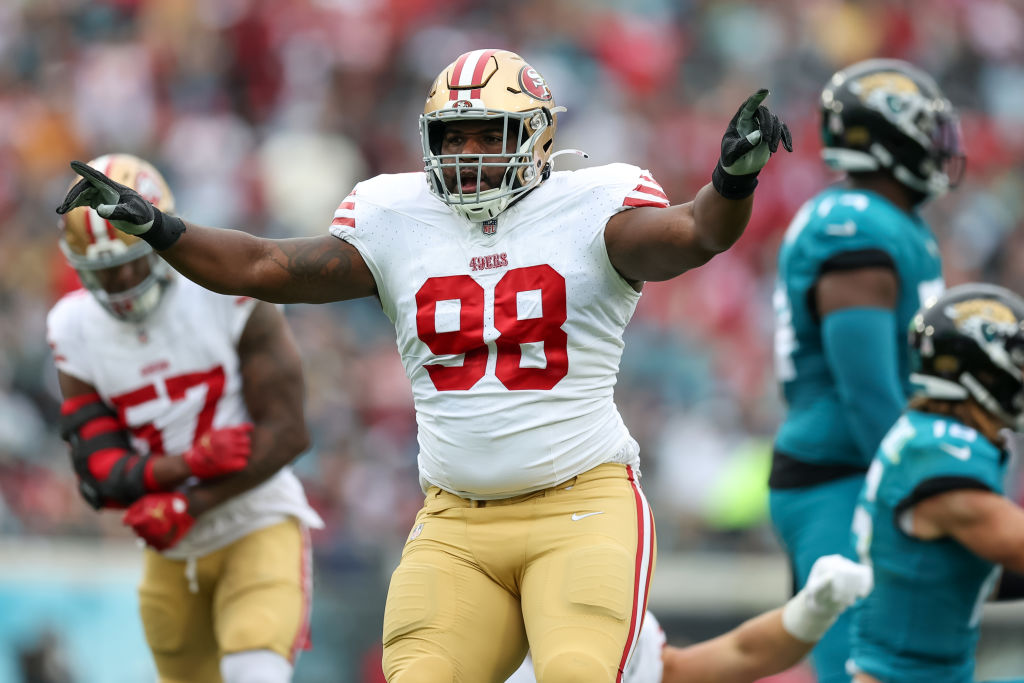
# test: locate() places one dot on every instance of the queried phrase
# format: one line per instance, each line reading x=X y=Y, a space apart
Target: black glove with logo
x=125 y=208
x=753 y=135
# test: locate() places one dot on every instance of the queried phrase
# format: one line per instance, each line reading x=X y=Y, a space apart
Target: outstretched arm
x=302 y=270
x=776 y=640
x=659 y=244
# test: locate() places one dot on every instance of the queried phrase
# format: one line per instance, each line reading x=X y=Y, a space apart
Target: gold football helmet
x=490 y=85
x=92 y=244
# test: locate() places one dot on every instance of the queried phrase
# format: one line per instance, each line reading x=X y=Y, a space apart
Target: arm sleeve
x=860 y=347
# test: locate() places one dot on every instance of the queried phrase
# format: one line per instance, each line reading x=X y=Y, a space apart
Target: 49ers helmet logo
x=533 y=84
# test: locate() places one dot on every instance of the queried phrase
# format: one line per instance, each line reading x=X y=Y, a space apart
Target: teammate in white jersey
x=185 y=406
x=759 y=647
x=509 y=286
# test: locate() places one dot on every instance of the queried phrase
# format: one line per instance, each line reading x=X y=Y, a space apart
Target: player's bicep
x=313 y=270
x=648 y=243
x=856 y=284
x=71 y=386
x=985 y=522
x=271 y=366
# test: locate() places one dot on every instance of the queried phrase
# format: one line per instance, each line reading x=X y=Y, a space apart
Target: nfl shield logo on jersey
x=490 y=227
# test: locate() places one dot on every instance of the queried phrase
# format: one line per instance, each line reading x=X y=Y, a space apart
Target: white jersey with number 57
x=510 y=331
x=171 y=378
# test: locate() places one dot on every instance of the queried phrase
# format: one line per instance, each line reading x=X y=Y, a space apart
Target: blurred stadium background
x=262 y=114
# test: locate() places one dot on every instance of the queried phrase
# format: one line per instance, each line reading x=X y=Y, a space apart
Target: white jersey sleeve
x=65 y=335
x=510 y=331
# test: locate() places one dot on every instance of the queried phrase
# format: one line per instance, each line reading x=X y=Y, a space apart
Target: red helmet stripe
x=478 y=72
x=469 y=71
x=460 y=64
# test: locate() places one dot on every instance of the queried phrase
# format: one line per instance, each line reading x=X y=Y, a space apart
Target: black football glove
x=125 y=208
x=753 y=135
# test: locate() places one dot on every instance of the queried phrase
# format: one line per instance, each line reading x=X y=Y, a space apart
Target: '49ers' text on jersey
x=510 y=331
x=171 y=378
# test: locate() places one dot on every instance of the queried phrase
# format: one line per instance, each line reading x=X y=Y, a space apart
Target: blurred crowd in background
x=263 y=114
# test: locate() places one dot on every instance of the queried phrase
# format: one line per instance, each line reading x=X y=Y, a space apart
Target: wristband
x=733 y=186
x=804 y=622
x=165 y=231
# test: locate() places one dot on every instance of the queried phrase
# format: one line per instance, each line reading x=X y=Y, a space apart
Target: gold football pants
x=564 y=571
x=250 y=595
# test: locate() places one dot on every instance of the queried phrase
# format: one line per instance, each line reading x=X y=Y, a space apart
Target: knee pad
x=426 y=669
x=255 y=666
x=573 y=667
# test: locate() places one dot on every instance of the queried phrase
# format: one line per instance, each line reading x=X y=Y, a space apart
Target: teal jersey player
x=842 y=229
x=921 y=623
x=932 y=520
x=854 y=266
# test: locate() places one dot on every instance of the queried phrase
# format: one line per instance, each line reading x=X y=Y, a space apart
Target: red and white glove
x=220 y=451
x=160 y=519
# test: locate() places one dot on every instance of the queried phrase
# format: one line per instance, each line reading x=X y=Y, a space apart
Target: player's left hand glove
x=834 y=584
x=160 y=519
x=220 y=451
x=125 y=208
x=753 y=135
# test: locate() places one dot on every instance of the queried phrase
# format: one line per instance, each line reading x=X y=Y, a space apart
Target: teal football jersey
x=920 y=623
x=832 y=231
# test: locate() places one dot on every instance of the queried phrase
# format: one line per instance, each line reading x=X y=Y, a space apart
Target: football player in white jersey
x=185 y=406
x=509 y=285
x=759 y=647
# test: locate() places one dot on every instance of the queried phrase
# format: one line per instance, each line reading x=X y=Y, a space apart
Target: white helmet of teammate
x=91 y=244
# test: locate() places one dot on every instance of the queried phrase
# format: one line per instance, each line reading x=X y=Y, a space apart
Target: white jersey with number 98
x=510 y=331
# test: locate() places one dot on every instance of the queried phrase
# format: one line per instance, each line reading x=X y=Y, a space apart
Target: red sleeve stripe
x=101 y=462
x=654 y=189
x=342 y=221
x=148 y=479
x=634 y=201
x=99 y=425
x=347 y=205
x=74 y=403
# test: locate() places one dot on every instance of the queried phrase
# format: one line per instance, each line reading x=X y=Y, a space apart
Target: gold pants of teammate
x=250 y=595
x=564 y=571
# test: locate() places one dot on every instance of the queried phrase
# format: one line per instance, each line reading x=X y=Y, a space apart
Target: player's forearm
x=224 y=261
x=719 y=222
x=759 y=647
x=860 y=347
x=169 y=473
x=274 y=445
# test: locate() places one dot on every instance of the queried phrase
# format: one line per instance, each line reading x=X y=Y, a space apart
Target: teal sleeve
x=860 y=348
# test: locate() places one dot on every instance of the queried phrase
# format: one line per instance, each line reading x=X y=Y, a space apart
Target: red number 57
x=468 y=339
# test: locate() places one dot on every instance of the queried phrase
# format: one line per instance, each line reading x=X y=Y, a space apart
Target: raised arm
x=273 y=389
x=301 y=270
x=659 y=244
